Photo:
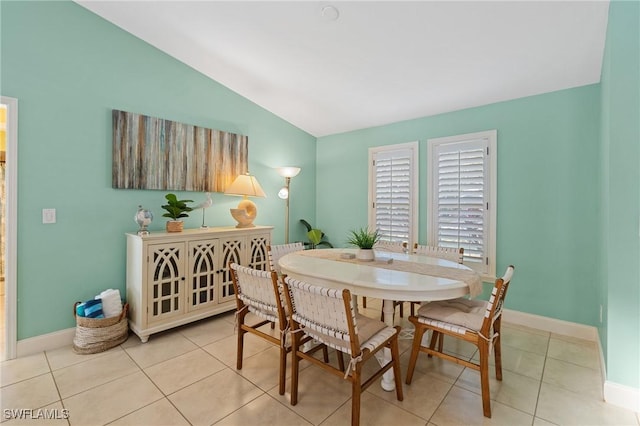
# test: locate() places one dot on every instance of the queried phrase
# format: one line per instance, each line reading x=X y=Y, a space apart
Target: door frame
x=11 y=230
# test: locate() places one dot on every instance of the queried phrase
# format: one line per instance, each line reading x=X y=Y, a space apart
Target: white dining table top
x=372 y=279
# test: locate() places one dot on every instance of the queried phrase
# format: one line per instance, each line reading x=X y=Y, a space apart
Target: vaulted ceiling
x=332 y=67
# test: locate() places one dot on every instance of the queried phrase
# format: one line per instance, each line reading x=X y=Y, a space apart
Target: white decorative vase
x=366 y=255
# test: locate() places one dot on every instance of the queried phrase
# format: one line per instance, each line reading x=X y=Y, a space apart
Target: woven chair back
x=277 y=251
x=392 y=246
x=496 y=300
x=258 y=290
x=452 y=254
x=323 y=313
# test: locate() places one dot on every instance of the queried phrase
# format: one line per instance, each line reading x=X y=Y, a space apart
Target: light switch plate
x=48 y=215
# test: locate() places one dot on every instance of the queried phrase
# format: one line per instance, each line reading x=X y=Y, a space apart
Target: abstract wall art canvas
x=153 y=153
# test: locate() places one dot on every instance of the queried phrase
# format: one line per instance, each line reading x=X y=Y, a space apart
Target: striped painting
x=153 y=153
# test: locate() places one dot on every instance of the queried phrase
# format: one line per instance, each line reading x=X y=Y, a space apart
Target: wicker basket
x=95 y=335
x=175 y=225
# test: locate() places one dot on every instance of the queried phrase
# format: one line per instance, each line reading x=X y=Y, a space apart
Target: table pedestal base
x=384 y=356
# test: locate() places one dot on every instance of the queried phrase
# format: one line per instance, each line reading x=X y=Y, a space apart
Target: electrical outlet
x=48 y=215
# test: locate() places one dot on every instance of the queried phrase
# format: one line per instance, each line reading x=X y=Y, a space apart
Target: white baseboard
x=622 y=396
x=551 y=325
x=45 y=342
x=614 y=393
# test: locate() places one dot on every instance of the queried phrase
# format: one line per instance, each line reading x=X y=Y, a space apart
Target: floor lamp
x=287 y=173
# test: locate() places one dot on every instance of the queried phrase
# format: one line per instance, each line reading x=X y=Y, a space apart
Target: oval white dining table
x=375 y=279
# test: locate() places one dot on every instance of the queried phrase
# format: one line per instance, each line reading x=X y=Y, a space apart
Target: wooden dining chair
x=277 y=251
x=474 y=321
x=258 y=292
x=447 y=253
x=452 y=254
x=329 y=316
x=392 y=247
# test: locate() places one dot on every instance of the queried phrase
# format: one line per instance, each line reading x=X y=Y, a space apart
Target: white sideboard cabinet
x=179 y=277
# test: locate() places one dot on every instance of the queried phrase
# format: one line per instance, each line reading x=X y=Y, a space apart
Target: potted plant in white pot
x=364 y=239
x=176 y=209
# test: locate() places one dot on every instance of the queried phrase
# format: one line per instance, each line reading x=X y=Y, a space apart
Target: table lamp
x=246 y=186
x=287 y=173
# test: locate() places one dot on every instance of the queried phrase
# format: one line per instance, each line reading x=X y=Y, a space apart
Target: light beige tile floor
x=188 y=376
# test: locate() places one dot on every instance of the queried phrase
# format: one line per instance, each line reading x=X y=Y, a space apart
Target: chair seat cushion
x=466 y=313
x=372 y=333
x=368 y=327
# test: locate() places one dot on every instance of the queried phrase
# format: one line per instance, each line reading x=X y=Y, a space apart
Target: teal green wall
x=548 y=216
x=621 y=194
x=568 y=180
x=68 y=68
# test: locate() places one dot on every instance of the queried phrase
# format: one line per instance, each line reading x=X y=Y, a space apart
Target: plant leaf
x=315 y=236
x=306 y=224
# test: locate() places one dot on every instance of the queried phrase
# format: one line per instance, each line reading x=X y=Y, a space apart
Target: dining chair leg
x=340 y=360
x=283 y=370
x=240 y=349
x=295 y=367
x=356 y=390
x=397 y=375
x=433 y=341
x=483 y=347
x=325 y=354
x=415 y=349
x=497 y=350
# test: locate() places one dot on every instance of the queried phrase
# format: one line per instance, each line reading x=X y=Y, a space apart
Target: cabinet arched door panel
x=231 y=251
x=166 y=270
x=204 y=267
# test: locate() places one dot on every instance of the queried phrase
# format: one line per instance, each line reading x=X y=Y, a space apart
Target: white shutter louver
x=461 y=205
x=462 y=197
x=393 y=192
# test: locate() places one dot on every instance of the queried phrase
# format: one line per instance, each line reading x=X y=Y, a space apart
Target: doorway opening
x=8 y=226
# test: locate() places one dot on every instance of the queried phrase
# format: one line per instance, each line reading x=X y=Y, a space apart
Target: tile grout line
x=544 y=365
x=165 y=397
x=55 y=383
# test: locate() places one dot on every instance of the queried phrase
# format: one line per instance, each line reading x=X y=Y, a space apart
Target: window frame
x=487 y=269
x=414 y=193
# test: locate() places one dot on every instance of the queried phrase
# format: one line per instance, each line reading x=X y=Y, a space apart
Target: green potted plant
x=364 y=239
x=176 y=209
x=316 y=236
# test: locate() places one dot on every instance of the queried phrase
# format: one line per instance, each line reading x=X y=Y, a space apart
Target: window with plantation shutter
x=462 y=197
x=393 y=191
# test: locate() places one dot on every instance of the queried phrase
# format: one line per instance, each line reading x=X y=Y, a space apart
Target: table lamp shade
x=247 y=186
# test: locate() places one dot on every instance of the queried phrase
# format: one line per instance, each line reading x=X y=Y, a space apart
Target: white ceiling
x=379 y=62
